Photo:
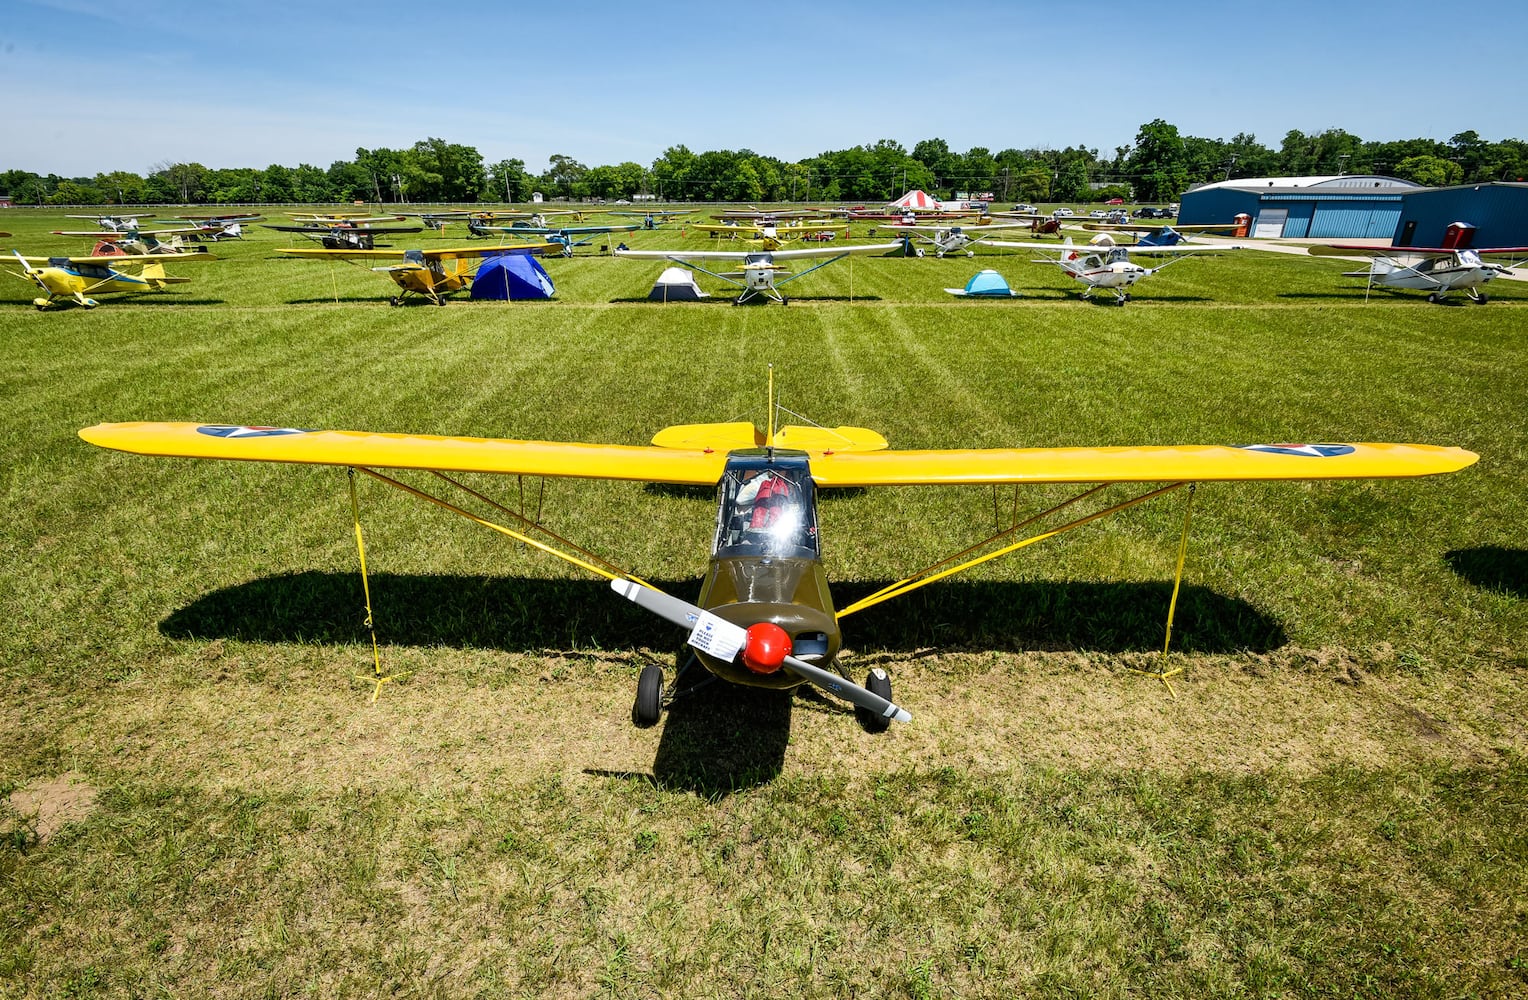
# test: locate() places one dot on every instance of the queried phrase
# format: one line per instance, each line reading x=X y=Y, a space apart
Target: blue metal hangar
x=1351 y=206
x=1366 y=206
x=1495 y=214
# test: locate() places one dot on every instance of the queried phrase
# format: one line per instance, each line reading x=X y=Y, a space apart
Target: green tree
x=561 y=174
x=121 y=187
x=1158 y=165
x=509 y=179
x=1433 y=171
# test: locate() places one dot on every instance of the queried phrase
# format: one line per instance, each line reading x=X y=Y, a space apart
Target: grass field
x=197 y=796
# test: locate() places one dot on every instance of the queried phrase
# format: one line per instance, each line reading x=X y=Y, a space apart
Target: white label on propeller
x=717 y=637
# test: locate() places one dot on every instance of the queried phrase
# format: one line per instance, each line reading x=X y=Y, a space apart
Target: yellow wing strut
x=1162 y=673
x=376 y=653
x=916 y=581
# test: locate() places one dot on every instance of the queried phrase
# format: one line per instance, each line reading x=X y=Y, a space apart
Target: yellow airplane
x=429 y=274
x=764 y=616
x=76 y=278
x=768 y=234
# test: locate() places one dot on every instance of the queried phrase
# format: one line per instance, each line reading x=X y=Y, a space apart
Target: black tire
x=1482 y=299
x=876 y=682
x=649 y=703
x=1432 y=297
x=395 y=301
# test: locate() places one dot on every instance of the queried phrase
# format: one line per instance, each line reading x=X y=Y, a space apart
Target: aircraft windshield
x=767 y=512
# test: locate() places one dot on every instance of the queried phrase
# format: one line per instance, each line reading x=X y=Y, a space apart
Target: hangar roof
x=1327 y=182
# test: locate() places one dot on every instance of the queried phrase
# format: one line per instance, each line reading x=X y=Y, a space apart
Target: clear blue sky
x=92 y=86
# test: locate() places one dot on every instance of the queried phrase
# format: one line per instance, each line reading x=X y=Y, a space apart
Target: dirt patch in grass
x=45 y=807
x=990 y=712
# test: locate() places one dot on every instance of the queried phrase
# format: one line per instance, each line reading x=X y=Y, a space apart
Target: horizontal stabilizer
x=715 y=437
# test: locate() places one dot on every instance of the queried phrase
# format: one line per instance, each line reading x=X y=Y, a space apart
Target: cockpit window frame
x=734 y=538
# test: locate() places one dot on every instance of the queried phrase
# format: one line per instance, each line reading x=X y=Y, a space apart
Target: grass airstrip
x=200 y=798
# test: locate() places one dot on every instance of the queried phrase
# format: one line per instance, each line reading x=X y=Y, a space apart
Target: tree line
x=1158 y=166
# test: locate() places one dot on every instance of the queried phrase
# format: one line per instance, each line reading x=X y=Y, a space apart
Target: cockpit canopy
x=767 y=506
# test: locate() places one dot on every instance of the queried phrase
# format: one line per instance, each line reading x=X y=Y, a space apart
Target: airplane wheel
x=876 y=682
x=649 y=704
x=784 y=301
x=1433 y=297
x=1127 y=296
x=1120 y=302
x=395 y=301
x=1481 y=299
x=440 y=302
x=970 y=253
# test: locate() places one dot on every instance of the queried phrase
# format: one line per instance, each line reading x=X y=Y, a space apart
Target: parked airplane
x=76 y=278
x=430 y=274
x=137 y=242
x=216 y=227
x=113 y=223
x=765 y=616
x=761 y=270
x=566 y=237
x=358 y=234
x=1434 y=270
x=954 y=239
x=1102 y=264
x=770 y=236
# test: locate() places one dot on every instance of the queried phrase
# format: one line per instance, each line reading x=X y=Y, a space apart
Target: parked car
x=1151 y=213
x=1115 y=201
x=1061 y=213
x=1023 y=208
x=1098 y=213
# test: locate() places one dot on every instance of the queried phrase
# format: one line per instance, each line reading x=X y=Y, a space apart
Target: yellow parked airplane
x=429 y=274
x=76 y=278
x=764 y=616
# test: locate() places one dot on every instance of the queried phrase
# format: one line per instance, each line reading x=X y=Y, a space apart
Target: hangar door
x=1355 y=220
x=1270 y=223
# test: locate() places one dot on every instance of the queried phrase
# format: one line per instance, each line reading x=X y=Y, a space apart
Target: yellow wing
x=412 y=451
x=688 y=455
x=1171 y=464
x=431 y=254
x=127 y=258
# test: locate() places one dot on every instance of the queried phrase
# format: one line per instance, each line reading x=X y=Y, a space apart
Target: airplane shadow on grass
x=721 y=738
x=525 y=614
x=1492 y=567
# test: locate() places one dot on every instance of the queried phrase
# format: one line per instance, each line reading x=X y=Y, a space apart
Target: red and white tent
x=918 y=201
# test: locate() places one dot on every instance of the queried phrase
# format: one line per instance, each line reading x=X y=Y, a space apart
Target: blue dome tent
x=512 y=276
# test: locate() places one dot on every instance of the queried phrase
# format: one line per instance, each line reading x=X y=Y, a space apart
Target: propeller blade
x=687 y=615
x=848 y=690
x=663 y=605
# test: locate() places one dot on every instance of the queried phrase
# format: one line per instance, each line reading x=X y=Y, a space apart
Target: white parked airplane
x=1434 y=270
x=761 y=270
x=1103 y=264
x=954 y=239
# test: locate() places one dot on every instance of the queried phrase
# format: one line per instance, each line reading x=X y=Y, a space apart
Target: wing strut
x=585 y=560
x=927 y=576
x=1162 y=673
x=377 y=677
